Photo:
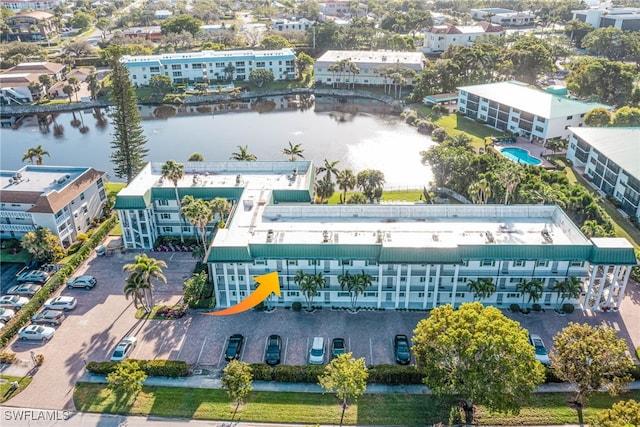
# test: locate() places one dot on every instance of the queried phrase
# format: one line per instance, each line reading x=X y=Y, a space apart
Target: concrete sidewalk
x=204 y=381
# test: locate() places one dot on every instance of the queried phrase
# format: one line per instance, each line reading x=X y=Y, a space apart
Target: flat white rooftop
x=40 y=179
x=372 y=56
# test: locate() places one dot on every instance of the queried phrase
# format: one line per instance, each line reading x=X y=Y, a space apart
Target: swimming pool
x=519 y=155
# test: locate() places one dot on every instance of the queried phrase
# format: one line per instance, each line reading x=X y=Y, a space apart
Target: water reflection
x=357 y=132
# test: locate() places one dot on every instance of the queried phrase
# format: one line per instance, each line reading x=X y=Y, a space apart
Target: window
x=87 y=222
x=293 y=293
x=313 y=262
x=196 y=66
x=370 y=262
x=569 y=117
x=512 y=295
x=100 y=183
x=219 y=64
x=539 y=129
x=162 y=202
x=423 y=279
x=292 y=262
x=518 y=263
x=102 y=195
x=260 y=64
x=177 y=74
x=346 y=262
x=81 y=196
x=176 y=67
x=459 y=294
x=542 y=263
x=85 y=210
x=575 y=264
x=154 y=69
x=260 y=262
x=165 y=216
x=487 y=263
x=167 y=229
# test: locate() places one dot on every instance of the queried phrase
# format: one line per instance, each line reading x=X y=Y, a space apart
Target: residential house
x=417 y=256
x=212 y=66
x=14 y=82
x=439 y=37
x=280 y=25
x=63 y=199
x=610 y=158
x=371 y=66
x=520 y=109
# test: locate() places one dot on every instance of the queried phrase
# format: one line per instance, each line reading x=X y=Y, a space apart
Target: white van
x=316 y=354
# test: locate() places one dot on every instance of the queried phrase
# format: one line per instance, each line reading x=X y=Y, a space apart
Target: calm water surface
x=360 y=136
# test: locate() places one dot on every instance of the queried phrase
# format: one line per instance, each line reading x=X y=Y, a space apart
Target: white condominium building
x=60 y=198
x=211 y=66
x=417 y=256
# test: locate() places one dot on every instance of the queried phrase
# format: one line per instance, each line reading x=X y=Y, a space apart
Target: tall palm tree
x=243 y=155
x=324 y=189
x=221 y=206
x=346 y=181
x=174 y=172
x=509 y=176
x=294 y=152
x=569 y=288
x=199 y=213
x=148 y=269
x=135 y=287
x=330 y=169
x=532 y=288
x=35 y=153
x=355 y=284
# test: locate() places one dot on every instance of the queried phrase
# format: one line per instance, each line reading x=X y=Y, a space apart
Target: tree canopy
x=621 y=414
x=180 y=23
x=346 y=377
x=43 y=245
x=592 y=358
x=473 y=353
x=607 y=81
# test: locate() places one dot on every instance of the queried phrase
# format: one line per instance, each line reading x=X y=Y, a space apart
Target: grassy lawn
x=394 y=195
x=114 y=187
x=23 y=382
x=312 y=408
x=455 y=124
x=7 y=256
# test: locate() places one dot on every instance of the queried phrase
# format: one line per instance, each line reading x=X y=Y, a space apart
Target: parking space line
x=371 y=350
x=266 y=340
x=349 y=348
x=221 y=354
x=201 y=350
x=244 y=347
x=306 y=354
x=286 y=346
x=160 y=348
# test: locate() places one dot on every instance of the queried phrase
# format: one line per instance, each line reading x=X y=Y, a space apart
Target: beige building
x=371 y=66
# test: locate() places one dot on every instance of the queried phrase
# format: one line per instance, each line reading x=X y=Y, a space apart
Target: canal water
x=359 y=133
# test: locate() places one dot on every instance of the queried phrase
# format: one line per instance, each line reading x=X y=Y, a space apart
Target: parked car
x=123 y=349
x=542 y=355
x=401 y=349
x=36 y=276
x=274 y=347
x=6 y=314
x=36 y=332
x=316 y=354
x=48 y=317
x=25 y=289
x=337 y=347
x=14 y=302
x=61 y=303
x=234 y=347
x=86 y=282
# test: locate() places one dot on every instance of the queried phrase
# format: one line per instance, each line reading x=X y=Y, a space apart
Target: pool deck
x=535 y=149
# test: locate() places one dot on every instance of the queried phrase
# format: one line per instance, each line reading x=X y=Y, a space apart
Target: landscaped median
x=321 y=408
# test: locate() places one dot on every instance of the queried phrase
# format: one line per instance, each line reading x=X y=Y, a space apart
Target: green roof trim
x=613 y=256
x=286 y=196
x=207 y=193
x=229 y=254
x=133 y=202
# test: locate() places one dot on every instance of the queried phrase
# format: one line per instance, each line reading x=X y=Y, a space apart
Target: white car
x=61 y=303
x=13 y=301
x=542 y=355
x=6 y=314
x=123 y=349
x=36 y=332
x=26 y=289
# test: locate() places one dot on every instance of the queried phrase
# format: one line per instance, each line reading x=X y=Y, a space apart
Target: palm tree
x=294 y=152
x=329 y=169
x=569 y=288
x=148 y=269
x=533 y=288
x=35 y=153
x=174 y=172
x=480 y=191
x=243 y=155
x=346 y=181
x=509 y=176
x=222 y=207
x=135 y=287
x=324 y=189
x=355 y=284
x=482 y=288
x=75 y=84
x=199 y=213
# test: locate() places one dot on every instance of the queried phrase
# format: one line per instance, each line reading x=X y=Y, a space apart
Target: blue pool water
x=519 y=155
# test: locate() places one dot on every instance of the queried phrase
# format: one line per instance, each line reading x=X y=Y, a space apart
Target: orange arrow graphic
x=267 y=283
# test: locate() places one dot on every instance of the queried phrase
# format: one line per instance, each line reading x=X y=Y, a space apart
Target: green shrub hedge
x=23 y=317
x=153 y=368
x=394 y=375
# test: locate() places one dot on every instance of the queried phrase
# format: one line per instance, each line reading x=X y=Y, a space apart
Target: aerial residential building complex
x=63 y=199
x=14 y=82
x=211 y=66
x=610 y=157
x=18 y=5
x=418 y=256
x=32 y=26
x=504 y=17
x=371 y=65
x=627 y=18
x=439 y=37
x=515 y=107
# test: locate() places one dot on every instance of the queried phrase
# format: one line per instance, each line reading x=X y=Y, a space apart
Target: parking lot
x=103 y=317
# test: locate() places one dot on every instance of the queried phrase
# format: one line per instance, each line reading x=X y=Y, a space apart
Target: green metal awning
x=314 y=251
x=229 y=254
